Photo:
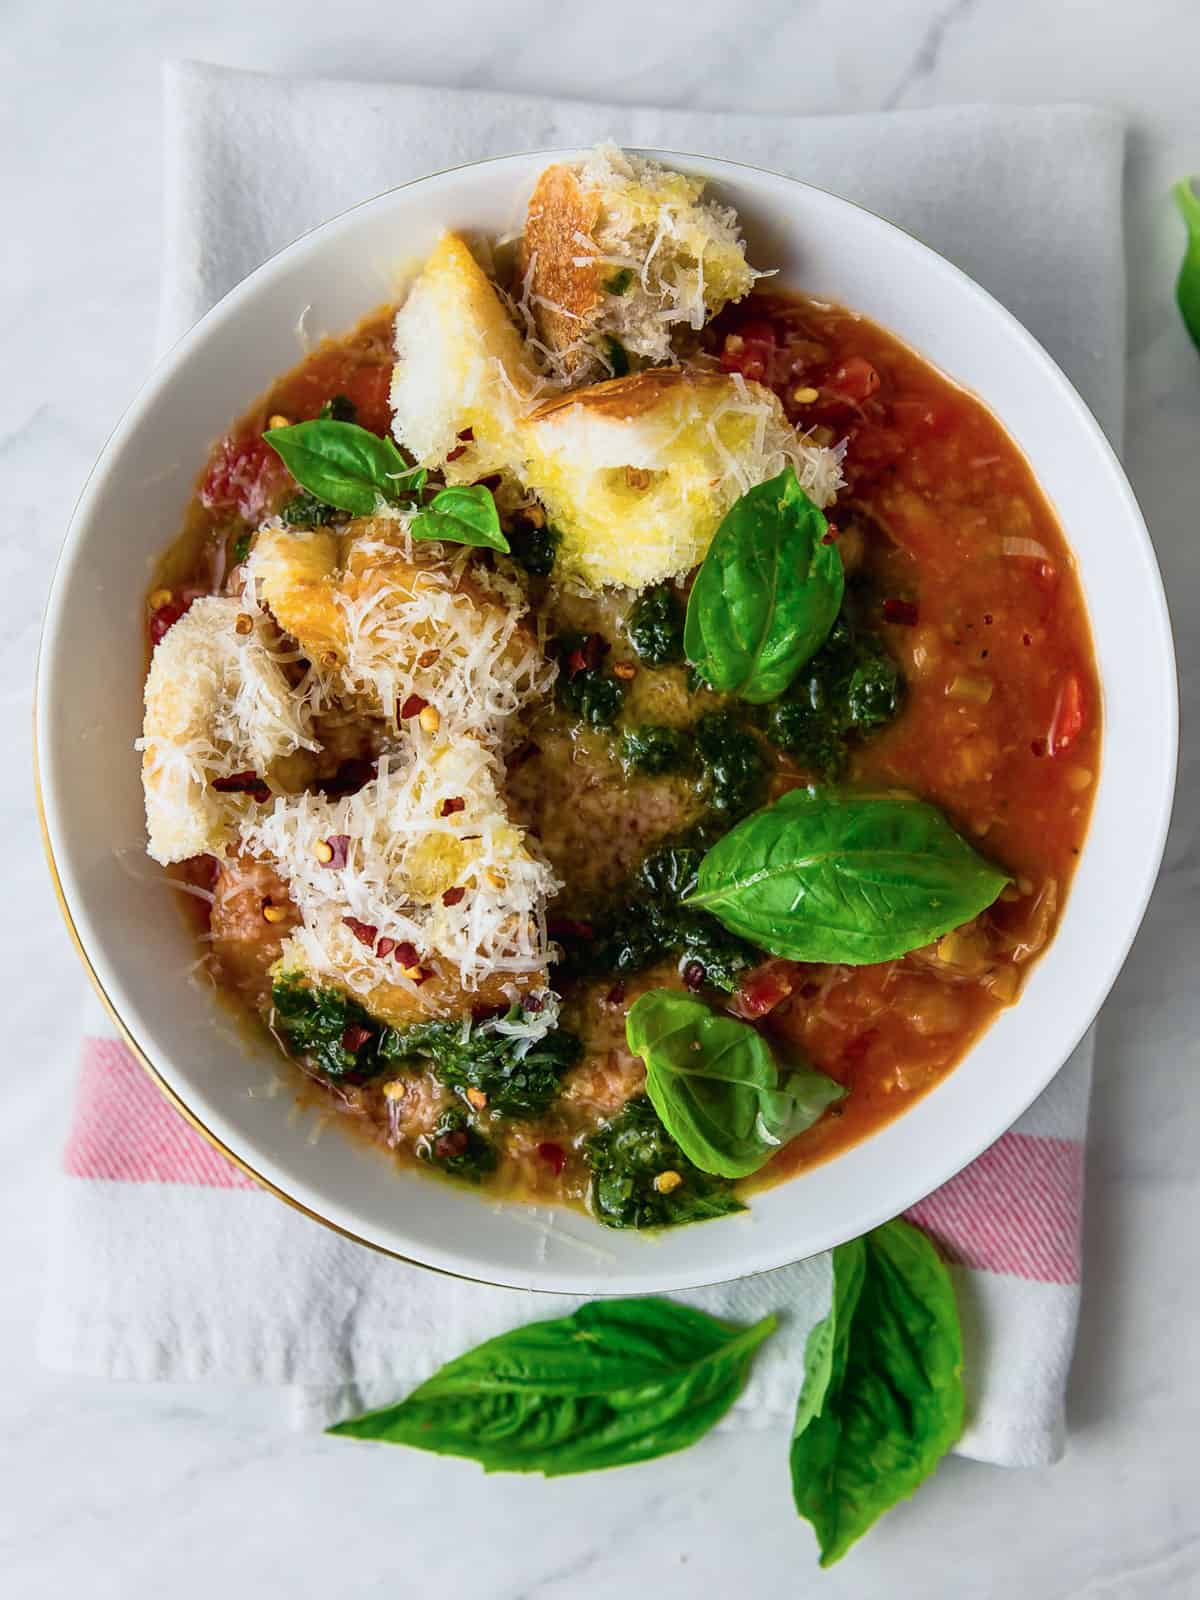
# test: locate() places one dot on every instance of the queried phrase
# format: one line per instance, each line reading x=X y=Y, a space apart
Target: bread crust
x=559 y=214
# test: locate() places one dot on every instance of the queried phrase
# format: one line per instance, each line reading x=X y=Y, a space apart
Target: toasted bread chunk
x=636 y=473
x=463 y=377
x=383 y=622
x=617 y=252
x=218 y=707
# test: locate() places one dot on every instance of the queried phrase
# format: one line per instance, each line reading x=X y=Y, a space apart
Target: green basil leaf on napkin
x=462 y=514
x=825 y=875
x=344 y=465
x=716 y=1086
x=618 y=1381
x=767 y=593
x=882 y=1398
x=1187 y=290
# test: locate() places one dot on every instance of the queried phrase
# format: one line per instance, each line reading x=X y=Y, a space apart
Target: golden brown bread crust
x=623 y=399
x=559 y=212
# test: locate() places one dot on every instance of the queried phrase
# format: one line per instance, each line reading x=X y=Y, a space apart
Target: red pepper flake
x=987 y=617
x=420 y=976
x=449 y=807
x=829 y=538
x=588 y=656
x=453 y=897
x=693 y=975
x=902 y=612
x=355 y=1037
x=339 y=843
x=413 y=707
x=568 y=928
x=616 y=995
x=1038 y=746
x=553 y=1155
x=1026 y=638
x=447 y=1145
x=406 y=954
x=384 y=948
x=365 y=932
x=243 y=783
x=533 y=1003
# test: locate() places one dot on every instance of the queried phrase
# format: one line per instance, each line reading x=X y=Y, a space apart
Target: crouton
x=463 y=376
x=219 y=717
x=384 y=624
x=617 y=252
x=637 y=472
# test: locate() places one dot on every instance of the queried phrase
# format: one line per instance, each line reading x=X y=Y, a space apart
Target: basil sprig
x=1187 y=290
x=616 y=1382
x=767 y=593
x=462 y=514
x=882 y=1398
x=344 y=465
x=824 y=875
x=716 y=1086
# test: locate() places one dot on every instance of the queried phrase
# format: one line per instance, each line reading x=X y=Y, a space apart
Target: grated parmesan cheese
x=431 y=821
x=217 y=704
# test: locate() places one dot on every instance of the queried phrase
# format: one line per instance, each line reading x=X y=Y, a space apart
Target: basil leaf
x=1187 y=290
x=462 y=514
x=823 y=875
x=715 y=1084
x=616 y=1382
x=344 y=465
x=882 y=1398
x=767 y=594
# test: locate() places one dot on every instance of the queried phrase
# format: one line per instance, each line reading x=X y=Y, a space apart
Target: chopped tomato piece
x=1070 y=715
x=750 y=351
x=856 y=379
x=244 y=475
x=165 y=618
x=762 y=989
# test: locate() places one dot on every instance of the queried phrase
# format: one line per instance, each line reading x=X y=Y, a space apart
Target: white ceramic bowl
x=134 y=940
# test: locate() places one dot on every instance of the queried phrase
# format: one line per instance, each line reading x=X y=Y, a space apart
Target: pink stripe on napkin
x=1017 y=1210
x=126 y=1131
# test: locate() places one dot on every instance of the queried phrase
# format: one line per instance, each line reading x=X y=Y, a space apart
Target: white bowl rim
x=903 y=1194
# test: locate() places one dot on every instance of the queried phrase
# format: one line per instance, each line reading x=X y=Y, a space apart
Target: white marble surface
x=131 y=1492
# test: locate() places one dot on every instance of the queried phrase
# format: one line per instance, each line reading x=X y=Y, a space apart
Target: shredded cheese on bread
x=636 y=473
x=433 y=865
x=218 y=705
x=383 y=620
x=619 y=248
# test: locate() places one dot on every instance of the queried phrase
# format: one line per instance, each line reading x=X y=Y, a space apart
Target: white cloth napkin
x=165 y=1262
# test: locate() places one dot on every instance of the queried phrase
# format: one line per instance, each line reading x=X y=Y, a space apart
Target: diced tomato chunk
x=750 y=351
x=165 y=618
x=856 y=379
x=1070 y=715
x=763 y=988
x=244 y=475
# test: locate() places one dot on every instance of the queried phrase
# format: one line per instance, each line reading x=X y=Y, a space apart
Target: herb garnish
x=655 y=626
x=882 y=1399
x=462 y=514
x=518 y=1077
x=824 y=875
x=344 y=465
x=620 y=282
x=458 y=1148
x=1187 y=290
x=642 y=1179
x=767 y=593
x=617 y=1381
x=716 y=1085
x=851 y=686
